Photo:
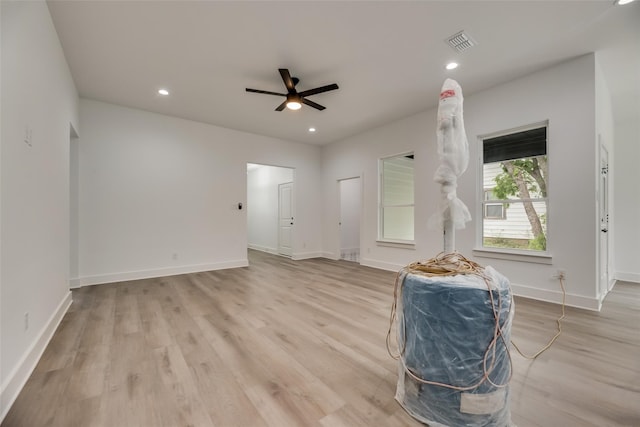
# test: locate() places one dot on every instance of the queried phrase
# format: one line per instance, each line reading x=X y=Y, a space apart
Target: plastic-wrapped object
x=455 y=367
x=453 y=152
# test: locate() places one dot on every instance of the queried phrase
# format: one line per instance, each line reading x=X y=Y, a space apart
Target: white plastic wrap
x=453 y=152
x=446 y=325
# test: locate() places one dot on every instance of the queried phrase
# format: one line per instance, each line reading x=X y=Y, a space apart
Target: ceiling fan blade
x=313 y=104
x=265 y=92
x=281 y=106
x=318 y=90
x=286 y=78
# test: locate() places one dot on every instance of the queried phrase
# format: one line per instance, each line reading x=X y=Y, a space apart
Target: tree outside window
x=515 y=170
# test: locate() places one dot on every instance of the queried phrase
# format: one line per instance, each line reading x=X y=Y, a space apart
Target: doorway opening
x=349 y=223
x=270 y=209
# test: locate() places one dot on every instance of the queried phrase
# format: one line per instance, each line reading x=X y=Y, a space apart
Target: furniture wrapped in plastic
x=455 y=367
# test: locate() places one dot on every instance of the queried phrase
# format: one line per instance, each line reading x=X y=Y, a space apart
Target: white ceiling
x=388 y=57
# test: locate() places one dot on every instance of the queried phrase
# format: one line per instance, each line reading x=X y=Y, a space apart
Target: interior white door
x=604 y=220
x=285 y=219
x=350 y=207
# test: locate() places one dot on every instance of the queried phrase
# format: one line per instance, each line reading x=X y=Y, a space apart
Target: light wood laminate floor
x=301 y=343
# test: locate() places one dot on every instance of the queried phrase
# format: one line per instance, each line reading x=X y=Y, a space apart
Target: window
x=515 y=186
x=396 y=199
x=493 y=210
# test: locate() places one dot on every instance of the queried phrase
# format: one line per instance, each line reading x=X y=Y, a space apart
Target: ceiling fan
x=295 y=99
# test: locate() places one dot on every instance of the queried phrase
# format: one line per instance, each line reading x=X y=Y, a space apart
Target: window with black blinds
x=528 y=143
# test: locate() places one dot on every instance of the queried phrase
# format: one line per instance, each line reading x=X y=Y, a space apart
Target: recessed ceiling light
x=163 y=92
x=312 y=129
x=452 y=66
x=622 y=2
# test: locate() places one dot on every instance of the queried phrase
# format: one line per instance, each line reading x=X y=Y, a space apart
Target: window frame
x=390 y=241
x=526 y=255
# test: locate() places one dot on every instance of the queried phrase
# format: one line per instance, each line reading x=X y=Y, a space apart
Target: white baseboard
x=296 y=256
x=518 y=290
x=627 y=277
x=382 y=265
x=306 y=255
x=555 y=297
x=330 y=255
x=160 y=272
x=20 y=374
x=263 y=248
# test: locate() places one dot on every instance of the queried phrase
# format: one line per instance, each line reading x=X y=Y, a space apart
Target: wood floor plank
x=301 y=343
x=176 y=384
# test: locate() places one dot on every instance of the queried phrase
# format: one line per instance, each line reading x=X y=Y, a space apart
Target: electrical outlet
x=26 y=321
x=174 y=256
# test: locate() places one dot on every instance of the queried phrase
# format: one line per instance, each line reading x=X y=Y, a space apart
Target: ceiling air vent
x=461 y=41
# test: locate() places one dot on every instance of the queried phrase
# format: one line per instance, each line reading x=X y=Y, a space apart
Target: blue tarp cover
x=446 y=324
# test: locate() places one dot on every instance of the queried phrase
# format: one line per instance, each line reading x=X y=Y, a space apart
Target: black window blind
x=528 y=143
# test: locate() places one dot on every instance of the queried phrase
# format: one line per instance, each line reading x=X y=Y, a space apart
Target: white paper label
x=479 y=404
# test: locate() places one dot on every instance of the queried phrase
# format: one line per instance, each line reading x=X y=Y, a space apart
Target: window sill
x=396 y=244
x=514 y=255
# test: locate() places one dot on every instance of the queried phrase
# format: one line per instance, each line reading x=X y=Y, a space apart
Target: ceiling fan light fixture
x=293 y=105
x=294 y=102
x=295 y=99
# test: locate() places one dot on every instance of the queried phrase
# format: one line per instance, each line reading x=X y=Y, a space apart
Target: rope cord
x=451 y=264
x=555 y=337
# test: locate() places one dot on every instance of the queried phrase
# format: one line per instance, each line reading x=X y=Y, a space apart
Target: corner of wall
x=305 y=255
x=20 y=374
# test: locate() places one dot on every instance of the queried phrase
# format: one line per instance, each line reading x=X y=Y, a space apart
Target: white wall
x=627 y=202
x=37 y=94
x=74 y=170
x=152 y=186
x=262 y=205
x=359 y=155
x=565 y=96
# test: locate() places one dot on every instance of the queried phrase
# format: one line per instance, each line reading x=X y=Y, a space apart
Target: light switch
x=28 y=133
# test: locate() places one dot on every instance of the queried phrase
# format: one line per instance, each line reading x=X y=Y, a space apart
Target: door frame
x=248 y=207
x=604 y=223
